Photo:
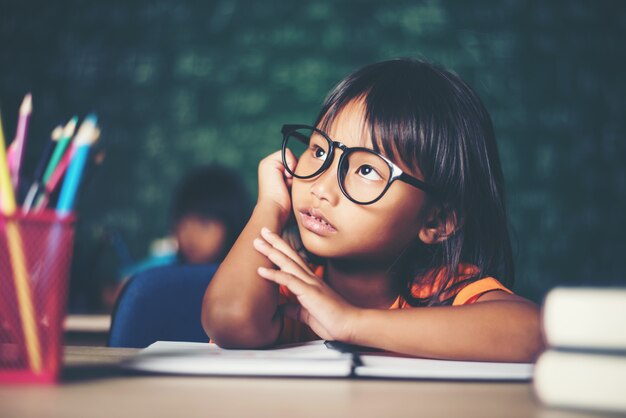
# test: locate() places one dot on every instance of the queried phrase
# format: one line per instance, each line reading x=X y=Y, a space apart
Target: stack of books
x=585 y=364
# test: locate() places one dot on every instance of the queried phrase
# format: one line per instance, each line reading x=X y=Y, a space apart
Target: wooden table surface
x=93 y=386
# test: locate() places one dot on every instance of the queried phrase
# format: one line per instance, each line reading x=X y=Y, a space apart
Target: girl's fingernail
x=265 y=231
x=258 y=242
x=262 y=270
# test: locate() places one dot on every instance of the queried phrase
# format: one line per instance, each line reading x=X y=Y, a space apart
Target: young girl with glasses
x=399 y=237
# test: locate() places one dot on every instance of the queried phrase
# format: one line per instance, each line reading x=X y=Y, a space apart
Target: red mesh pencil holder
x=35 y=257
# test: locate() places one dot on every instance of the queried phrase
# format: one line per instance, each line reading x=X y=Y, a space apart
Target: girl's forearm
x=239 y=308
x=506 y=331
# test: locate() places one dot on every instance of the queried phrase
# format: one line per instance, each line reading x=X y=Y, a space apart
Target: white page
x=308 y=359
x=418 y=368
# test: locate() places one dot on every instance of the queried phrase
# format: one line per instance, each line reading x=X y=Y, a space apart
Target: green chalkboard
x=178 y=84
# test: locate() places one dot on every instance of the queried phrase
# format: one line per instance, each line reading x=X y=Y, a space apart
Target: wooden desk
x=93 y=387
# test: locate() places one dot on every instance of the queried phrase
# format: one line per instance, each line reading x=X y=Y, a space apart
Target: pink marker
x=15 y=153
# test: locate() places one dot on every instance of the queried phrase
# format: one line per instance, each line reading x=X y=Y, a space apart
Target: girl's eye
x=368 y=172
x=318 y=152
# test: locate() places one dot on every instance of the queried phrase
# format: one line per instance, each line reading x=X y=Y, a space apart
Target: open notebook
x=315 y=359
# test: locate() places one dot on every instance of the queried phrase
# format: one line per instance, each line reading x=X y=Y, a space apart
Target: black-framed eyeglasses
x=363 y=174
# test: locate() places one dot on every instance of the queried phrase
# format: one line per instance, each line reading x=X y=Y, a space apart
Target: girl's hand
x=275 y=182
x=321 y=308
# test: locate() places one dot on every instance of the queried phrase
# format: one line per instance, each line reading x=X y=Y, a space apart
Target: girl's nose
x=325 y=186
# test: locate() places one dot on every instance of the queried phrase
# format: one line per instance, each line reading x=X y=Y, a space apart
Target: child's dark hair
x=428 y=117
x=213 y=192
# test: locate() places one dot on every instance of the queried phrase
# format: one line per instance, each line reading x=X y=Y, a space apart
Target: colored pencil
x=59 y=150
x=56 y=177
x=15 y=154
x=43 y=161
x=18 y=263
x=84 y=139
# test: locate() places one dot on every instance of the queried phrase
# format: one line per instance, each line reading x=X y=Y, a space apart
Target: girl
x=397 y=198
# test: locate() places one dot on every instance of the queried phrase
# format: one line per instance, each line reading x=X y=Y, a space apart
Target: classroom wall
x=177 y=84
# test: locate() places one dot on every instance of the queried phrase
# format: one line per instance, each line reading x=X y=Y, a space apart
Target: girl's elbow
x=518 y=338
x=529 y=348
x=531 y=343
x=231 y=326
x=536 y=345
x=206 y=318
x=221 y=323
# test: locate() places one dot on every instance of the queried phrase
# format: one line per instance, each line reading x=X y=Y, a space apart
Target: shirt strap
x=474 y=290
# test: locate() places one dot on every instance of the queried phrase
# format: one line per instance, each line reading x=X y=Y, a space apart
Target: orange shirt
x=295 y=331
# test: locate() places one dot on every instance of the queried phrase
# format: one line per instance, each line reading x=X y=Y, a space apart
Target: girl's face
x=331 y=226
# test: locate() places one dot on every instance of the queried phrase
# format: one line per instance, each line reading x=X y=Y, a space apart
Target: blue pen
x=86 y=135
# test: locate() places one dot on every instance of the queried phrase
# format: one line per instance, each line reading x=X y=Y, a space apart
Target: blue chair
x=163 y=303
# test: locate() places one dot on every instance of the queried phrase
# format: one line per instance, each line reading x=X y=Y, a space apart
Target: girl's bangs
x=388 y=136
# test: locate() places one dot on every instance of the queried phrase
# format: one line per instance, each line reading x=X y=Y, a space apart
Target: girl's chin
x=318 y=246
x=328 y=250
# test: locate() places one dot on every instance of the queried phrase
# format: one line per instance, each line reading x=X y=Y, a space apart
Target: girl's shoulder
x=463 y=289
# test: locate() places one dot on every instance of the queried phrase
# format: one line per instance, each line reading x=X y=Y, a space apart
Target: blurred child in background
x=209 y=209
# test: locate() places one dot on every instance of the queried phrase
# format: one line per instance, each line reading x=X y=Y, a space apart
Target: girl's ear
x=439 y=226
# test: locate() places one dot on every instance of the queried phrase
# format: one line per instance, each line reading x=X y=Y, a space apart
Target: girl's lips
x=316 y=223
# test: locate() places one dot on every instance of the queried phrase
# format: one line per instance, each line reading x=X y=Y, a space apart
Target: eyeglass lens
x=363 y=174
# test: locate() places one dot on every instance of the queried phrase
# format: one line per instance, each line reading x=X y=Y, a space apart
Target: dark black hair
x=213 y=192
x=427 y=117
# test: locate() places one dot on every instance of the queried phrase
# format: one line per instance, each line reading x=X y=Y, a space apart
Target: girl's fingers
x=277 y=242
x=290 y=260
x=297 y=312
x=283 y=262
x=275 y=256
x=286 y=264
x=296 y=285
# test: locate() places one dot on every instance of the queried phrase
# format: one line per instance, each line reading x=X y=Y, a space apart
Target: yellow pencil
x=18 y=262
